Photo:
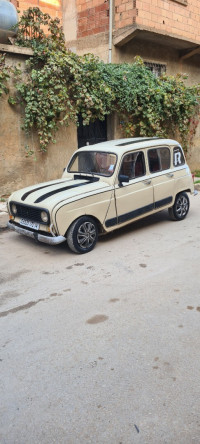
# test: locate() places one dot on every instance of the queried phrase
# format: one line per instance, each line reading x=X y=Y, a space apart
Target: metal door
x=95 y=132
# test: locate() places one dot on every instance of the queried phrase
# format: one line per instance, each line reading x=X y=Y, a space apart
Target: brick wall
x=178 y=17
x=51 y=7
x=92 y=17
x=125 y=13
x=14 y=2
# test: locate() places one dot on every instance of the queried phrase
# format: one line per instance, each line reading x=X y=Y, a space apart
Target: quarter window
x=178 y=157
x=133 y=165
x=159 y=159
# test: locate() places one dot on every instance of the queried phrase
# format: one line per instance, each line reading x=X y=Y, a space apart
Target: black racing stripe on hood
x=60 y=190
x=25 y=195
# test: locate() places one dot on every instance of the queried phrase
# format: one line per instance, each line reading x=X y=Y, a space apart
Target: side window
x=133 y=165
x=159 y=159
x=164 y=158
x=154 y=162
x=178 y=157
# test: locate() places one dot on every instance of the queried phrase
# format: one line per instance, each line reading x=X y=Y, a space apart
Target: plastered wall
x=17 y=170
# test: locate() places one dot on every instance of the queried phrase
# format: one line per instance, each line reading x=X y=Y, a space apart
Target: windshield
x=95 y=162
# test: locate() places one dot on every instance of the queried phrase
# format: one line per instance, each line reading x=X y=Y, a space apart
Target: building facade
x=165 y=33
x=51 y=7
x=137 y=26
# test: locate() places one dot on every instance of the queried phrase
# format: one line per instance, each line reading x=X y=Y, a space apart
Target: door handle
x=169 y=174
x=147 y=181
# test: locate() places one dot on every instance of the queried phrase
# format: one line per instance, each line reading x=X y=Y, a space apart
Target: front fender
x=96 y=205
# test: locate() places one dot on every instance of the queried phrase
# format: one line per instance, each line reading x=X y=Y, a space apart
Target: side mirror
x=122 y=178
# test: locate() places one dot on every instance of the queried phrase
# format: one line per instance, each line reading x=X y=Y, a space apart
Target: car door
x=133 y=198
x=162 y=175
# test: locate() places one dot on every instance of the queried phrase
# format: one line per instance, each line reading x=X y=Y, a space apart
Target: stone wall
x=17 y=170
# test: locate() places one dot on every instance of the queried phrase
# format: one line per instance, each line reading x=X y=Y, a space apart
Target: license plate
x=29 y=224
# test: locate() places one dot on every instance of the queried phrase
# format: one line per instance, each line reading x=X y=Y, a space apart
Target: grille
x=30 y=213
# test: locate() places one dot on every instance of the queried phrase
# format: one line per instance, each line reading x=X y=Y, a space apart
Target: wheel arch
x=99 y=225
x=180 y=213
x=187 y=190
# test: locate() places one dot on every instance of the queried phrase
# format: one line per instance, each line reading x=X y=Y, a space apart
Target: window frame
x=156 y=67
x=78 y=153
x=143 y=161
x=182 y=155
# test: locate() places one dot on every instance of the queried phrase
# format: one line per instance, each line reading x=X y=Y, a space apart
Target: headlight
x=14 y=209
x=44 y=216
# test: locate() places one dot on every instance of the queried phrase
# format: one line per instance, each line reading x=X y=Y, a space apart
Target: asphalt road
x=102 y=348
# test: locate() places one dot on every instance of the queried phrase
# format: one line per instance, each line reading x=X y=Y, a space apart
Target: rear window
x=159 y=159
x=178 y=157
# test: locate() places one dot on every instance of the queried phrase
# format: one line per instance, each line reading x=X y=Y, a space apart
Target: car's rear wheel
x=82 y=235
x=180 y=208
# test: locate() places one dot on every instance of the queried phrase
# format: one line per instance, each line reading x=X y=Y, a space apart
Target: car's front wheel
x=82 y=235
x=180 y=208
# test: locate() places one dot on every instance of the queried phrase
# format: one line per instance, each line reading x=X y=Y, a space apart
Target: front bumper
x=54 y=240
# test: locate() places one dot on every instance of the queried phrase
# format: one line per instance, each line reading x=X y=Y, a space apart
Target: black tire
x=82 y=235
x=180 y=208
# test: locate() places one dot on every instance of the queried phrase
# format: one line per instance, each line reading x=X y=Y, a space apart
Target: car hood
x=49 y=194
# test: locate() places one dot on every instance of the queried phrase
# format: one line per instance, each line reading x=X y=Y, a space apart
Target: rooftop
x=129 y=143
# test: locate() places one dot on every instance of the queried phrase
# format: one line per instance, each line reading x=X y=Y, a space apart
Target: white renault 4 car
x=104 y=187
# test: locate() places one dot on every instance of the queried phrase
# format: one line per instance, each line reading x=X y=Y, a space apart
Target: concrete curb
x=3 y=215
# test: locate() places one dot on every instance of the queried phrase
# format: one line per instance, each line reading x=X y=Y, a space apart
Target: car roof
x=120 y=146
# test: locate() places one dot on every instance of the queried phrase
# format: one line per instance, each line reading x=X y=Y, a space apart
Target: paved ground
x=102 y=348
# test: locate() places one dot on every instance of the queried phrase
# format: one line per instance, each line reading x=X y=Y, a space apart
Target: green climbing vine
x=151 y=106
x=4 y=75
x=59 y=86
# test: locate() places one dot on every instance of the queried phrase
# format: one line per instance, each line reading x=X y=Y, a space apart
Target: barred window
x=156 y=68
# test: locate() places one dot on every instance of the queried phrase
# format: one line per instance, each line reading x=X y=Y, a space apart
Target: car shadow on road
x=152 y=220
